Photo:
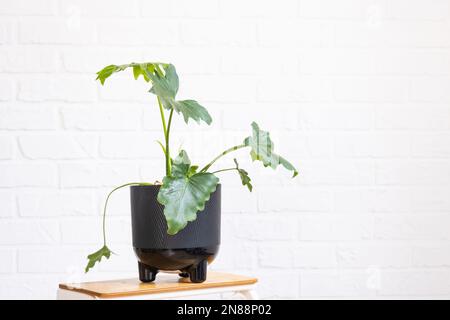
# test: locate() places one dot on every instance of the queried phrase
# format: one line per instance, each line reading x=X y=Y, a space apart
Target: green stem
x=168 y=163
x=221 y=155
x=107 y=199
x=163 y=119
x=222 y=170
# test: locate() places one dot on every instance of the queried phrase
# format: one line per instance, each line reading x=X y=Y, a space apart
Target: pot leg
x=146 y=273
x=198 y=273
x=184 y=274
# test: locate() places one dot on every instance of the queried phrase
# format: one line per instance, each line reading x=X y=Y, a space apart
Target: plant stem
x=222 y=170
x=163 y=119
x=107 y=199
x=221 y=155
x=168 y=164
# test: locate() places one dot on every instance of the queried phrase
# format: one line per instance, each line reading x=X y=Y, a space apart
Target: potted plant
x=176 y=223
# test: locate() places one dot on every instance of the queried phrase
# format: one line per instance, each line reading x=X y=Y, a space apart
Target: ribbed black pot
x=189 y=251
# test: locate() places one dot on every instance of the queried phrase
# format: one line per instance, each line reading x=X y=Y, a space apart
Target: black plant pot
x=189 y=251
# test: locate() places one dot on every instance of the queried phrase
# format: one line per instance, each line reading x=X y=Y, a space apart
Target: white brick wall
x=356 y=93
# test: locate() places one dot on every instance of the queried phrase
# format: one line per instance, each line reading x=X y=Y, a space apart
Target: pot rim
x=157 y=186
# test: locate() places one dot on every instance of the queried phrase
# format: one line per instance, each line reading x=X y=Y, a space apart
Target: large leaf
x=262 y=149
x=184 y=193
x=245 y=179
x=165 y=86
x=97 y=257
x=191 y=109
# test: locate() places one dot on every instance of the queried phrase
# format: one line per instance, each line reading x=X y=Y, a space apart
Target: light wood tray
x=163 y=284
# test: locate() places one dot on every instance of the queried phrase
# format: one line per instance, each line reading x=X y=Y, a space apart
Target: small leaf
x=107 y=71
x=136 y=71
x=244 y=176
x=97 y=257
x=183 y=195
x=191 y=109
x=262 y=149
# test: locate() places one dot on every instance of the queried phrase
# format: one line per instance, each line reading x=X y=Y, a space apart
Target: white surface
x=247 y=292
x=355 y=92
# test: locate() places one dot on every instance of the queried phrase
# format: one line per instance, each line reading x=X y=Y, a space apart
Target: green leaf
x=191 y=109
x=97 y=257
x=262 y=149
x=183 y=195
x=165 y=86
x=244 y=176
x=107 y=71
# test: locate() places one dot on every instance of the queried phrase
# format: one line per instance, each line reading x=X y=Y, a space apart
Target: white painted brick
x=134 y=32
x=335 y=284
x=366 y=256
x=314 y=256
x=252 y=61
x=431 y=145
x=93 y=175
x=51 y=260
x=415 y=283
x=211 y=89
x=293 y=199
x=412 y=172
x=437 y=255
x=28 y=60
x=100 y=8
x=336 y=116
x=71 y=89
x=305 y=145
x=56 y=204
x=430 y=89
x=365 y=89
x=74 y=30
x=123 y=88
x=179 y=8
x=8 y=204
x=27 y=175
x=417 y=200
x=118 y=232
x=275 y=256
x=411 y=62
x=278 y=285
x=129 y=146
x=102 y=118
x=6 y=147
x=58 y=146
x=6 y=90
x=240 y=255
x=13 y=232
x=296 y=89
x=7 y=31
x=24 y=7
x=260 y=228
x=33 y=117
x=336 y=172
x=412 y=117
x=238 y=200
x=418 y=9
x=408 y=227
x=259 y=8
x=378 y=33
x=8 y=259
x=357 y=145
x=332 y=9
x=218 y=33
x=295 y=33
x=91 y=60
x=342 y=227
x=355 y=200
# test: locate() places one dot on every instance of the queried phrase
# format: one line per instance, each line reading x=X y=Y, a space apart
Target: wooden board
x=163 y=284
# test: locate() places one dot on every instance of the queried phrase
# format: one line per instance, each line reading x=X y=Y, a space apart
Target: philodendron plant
x=186 y=187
